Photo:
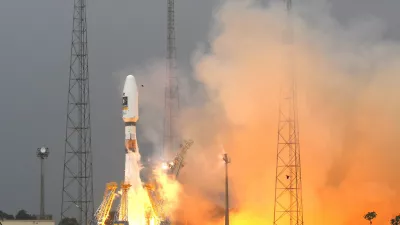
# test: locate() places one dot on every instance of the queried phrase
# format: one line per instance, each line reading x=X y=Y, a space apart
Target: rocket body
x=130 y=116
x=130 y=113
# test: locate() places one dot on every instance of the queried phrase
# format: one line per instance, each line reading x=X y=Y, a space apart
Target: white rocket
x=130 y=116
x=130 y=113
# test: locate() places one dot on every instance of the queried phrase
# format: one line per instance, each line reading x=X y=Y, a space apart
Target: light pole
x=42 y=153
x=227 y=161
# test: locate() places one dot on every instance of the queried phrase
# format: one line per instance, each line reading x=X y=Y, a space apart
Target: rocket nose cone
x=130 y=84
x=130 y=100
x=130 y=79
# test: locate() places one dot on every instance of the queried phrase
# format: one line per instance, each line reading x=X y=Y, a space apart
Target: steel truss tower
x=77 y=192
x=171 y=111
x=288 y=208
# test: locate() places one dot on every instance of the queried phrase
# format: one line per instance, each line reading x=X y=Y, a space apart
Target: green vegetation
x=370 y=216
x=24 y=215
x=395 y=221
x=21 y=215
x=68 y=221
x=5 y=216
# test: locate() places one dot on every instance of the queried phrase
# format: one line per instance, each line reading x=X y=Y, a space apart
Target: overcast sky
x=35 y=41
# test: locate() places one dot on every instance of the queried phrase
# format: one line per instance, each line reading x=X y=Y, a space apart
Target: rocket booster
x=130 y=113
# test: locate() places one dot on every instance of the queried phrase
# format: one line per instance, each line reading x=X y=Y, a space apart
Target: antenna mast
x=77 y=192
x=171 y=112
x=288 y=208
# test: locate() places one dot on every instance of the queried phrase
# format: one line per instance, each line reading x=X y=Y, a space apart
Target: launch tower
x=77 y=191
x=171 y=111
x=288 y=208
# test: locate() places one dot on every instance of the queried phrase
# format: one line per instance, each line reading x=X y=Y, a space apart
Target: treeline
x=372 y=215
x=24 y=215
x=73 y=221
x=21 y=215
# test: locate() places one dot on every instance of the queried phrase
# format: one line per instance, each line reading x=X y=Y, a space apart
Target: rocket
x=130 y=113
x=130 y=116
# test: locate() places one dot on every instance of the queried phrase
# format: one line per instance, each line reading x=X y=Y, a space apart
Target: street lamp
x=227 y=161
x=42 y=153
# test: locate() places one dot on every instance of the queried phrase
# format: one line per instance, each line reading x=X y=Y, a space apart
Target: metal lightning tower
x=171 y=111
x=77 y=192
x=288 y=209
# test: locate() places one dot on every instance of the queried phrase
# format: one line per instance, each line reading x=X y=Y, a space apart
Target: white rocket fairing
x=130 y=113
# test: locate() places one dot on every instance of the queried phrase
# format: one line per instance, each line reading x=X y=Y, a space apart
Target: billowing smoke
x=348 y=113
x=347 y=79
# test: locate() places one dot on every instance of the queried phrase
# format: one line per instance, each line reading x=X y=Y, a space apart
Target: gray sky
x=34 y=58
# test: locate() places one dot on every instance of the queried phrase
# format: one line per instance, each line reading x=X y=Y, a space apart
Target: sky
x=124 y=36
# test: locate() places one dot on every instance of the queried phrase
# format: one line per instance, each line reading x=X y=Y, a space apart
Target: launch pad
x=154 y=212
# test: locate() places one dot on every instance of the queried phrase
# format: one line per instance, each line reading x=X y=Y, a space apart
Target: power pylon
x=77 y=192
x=171 y=112
x=288 y=208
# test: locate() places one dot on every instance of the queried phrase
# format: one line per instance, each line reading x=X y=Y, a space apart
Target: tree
x=370 y=216
x=396 y=220
x=5 y=216
x=68 y=221
x=23 y=215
